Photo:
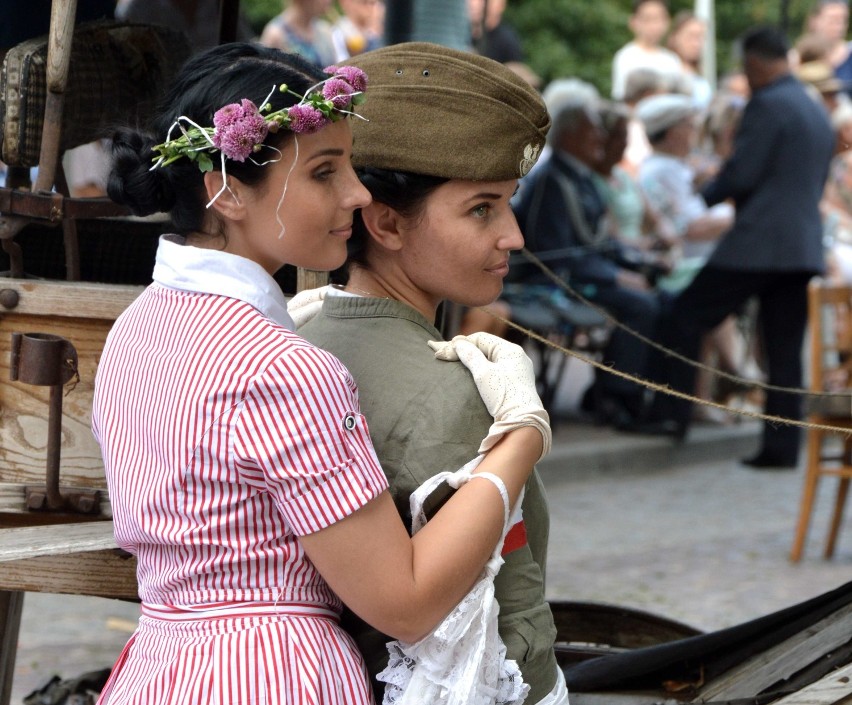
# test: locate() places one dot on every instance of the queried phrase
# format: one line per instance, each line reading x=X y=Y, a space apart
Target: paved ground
x=706 y=543
x=681 y=531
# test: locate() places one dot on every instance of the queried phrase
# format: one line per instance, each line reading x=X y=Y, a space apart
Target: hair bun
x=131 y=181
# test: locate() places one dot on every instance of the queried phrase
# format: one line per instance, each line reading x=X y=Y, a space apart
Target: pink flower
x=306 y=118
x=239 y=129
x=339 y=92
x=227 y=115
x=354 y=76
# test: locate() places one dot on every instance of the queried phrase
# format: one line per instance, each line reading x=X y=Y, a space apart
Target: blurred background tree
x=579 y=37
x=259 y=12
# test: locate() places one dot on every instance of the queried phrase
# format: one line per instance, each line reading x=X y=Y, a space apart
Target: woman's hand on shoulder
x=505 y=378
x=306 y=304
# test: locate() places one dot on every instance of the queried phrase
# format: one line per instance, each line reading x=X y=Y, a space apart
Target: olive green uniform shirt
x=426 y=416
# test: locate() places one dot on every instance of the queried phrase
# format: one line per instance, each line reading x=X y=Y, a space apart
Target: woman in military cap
x=448 y=134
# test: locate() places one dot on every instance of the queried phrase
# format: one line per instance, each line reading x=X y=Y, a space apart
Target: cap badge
x=531 y=153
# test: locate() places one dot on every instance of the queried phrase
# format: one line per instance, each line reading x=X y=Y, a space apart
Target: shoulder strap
x=575 y=211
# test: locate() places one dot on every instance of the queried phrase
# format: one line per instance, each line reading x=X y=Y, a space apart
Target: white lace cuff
x=501 y=488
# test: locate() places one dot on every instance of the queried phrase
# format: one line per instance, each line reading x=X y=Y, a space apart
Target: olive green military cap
x=442 y=112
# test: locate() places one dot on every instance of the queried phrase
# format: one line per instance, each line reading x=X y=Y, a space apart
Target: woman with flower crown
x=240 y=470
x=447 y=138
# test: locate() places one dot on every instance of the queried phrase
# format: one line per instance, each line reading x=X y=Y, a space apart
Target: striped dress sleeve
x=301 y=436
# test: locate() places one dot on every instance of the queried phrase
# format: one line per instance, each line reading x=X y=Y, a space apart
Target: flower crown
x=239 y=129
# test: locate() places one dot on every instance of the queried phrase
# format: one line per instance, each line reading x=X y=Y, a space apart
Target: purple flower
x=239 y=129
x=354 y=76
x=339 y=92
x=227 y=115
x=306 y=118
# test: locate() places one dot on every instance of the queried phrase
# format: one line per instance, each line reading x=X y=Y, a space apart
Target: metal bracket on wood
x=50 y=361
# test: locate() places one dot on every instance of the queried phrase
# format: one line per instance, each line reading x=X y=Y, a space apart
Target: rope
x=749 y=383
x=665 y=389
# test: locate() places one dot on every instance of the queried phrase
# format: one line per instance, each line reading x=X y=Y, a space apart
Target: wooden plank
x=782 y=660
x=310 y=279
x=98 y=573
x=55 y=539
x=833 y=689
x=70 y=299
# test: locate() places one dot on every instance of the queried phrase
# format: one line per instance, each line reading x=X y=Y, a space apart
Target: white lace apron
x=463 y=660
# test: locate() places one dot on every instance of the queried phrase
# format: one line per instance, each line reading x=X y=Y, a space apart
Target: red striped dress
x=225 y=437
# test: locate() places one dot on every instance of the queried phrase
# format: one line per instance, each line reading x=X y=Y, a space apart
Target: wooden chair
x=570 y=324
x=830 y=324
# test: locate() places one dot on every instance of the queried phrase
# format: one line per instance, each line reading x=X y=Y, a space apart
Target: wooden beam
x=73 y=559
x=96 y=573
x=70 y=299
x=310 y=279
x=55 y=540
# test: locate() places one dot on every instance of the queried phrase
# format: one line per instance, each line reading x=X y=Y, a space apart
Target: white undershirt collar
x=187 y=268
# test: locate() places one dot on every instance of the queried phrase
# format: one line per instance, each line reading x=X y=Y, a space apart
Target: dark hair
x=765 y=42
x=220 y=76
x=638 y=3
x=403 y=191
x=612 y=113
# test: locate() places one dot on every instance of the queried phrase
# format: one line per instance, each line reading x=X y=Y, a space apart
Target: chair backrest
x=830 y=322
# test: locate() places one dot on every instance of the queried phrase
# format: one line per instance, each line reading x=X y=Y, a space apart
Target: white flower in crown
x=531 y=153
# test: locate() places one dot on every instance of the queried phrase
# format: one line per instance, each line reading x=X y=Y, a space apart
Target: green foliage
x=570 y=37
x=579 y=37
x=259 y=12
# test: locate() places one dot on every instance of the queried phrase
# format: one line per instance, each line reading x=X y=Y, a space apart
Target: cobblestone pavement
x=705 y=543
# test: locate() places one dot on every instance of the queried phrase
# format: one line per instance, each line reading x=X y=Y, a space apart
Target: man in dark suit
x=775 y=178
x=561 y=213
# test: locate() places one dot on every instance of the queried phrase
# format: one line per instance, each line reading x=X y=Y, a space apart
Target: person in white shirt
x=649 y=23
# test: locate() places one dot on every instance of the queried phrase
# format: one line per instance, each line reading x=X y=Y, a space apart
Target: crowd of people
x=696 y=215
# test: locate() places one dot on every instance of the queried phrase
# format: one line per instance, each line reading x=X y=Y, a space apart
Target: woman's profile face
x=688 y=43
x=832 y=21
x=322 y=193
x=458 y=248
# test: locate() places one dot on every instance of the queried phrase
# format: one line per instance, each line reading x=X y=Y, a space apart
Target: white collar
x=187 y=268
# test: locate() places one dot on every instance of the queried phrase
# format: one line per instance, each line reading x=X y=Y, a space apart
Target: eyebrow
x=489 y=196
x=330 y=152
x=486 y=196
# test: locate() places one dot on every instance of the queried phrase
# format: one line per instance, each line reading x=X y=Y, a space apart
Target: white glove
x=505 y=379
x=306 y=304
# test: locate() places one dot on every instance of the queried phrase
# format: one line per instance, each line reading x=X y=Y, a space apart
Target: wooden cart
x=55 y=520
